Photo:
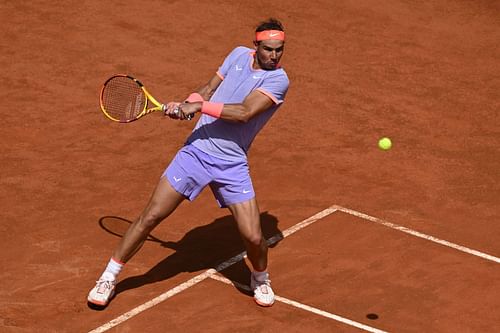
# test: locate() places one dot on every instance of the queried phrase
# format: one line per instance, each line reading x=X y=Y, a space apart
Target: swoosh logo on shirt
x=257 y=77
x=238 y=68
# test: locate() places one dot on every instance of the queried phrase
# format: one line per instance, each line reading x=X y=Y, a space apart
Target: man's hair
x=270 y=24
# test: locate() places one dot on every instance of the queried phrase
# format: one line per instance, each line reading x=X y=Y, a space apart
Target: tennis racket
x=125 y=99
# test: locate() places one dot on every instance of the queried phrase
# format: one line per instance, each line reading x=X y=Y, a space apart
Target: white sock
x=261 y=276
x=114 y=268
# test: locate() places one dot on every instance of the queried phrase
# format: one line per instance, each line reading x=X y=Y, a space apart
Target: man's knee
x=148 y=220
x=255 y=239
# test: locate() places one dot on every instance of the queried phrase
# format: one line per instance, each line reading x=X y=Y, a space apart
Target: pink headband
x=269 y=34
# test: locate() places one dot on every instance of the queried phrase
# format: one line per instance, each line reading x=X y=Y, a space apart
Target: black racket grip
x=188 y=117
x=176 y=111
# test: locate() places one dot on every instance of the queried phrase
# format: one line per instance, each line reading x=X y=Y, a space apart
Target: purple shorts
x=192 y=169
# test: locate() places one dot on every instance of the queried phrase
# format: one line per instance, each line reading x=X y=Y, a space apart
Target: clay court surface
x=404 y=240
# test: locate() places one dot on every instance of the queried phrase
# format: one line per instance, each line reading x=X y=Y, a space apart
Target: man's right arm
x=208 y=89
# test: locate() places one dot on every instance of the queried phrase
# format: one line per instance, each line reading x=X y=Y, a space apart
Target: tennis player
x=235 y=104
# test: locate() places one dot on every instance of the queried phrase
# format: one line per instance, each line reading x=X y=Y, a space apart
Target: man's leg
x=247 y=217
x=162 y=203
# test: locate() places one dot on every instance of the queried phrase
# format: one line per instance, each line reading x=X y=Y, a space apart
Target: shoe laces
x=263 y=286
x=103 y=285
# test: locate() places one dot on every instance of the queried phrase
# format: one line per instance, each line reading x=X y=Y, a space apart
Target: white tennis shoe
x=103 y=291
x=262 y=292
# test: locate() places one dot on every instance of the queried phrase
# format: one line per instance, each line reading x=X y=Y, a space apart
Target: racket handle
x=176 y=111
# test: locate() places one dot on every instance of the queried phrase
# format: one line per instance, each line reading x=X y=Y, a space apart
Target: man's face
x=268 y=53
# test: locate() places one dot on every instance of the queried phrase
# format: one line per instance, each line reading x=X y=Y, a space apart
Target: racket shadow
x=117 y=226
x=201 y=248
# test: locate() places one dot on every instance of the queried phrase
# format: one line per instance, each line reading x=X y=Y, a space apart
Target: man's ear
x=255 y=44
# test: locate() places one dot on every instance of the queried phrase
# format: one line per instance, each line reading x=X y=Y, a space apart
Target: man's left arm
x=254 y=104
x=271 y=92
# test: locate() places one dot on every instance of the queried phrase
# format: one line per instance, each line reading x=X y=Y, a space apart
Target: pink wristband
x=194 y=97
x=212 y=109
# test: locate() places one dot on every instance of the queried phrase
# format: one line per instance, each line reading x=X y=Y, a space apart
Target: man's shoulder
x=242 y=49
x=278 y=74
x=239 y=50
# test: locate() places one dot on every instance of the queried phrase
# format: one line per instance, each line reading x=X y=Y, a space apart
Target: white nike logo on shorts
x=246 y=191
x=177 y=179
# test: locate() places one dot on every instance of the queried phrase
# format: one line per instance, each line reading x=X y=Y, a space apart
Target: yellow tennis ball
x=385 y=143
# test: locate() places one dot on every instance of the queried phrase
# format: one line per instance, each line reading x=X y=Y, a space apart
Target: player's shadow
x=202 y=248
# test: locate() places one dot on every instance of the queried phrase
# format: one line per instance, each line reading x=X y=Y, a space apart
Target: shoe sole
x=266 y=305
x=101 y=303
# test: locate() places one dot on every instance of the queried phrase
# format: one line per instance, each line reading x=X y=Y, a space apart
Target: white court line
x=155 y=301
x=418 y=234
x=208 y=273
x=304 y=307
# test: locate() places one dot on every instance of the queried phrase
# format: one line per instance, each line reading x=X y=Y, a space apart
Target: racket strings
x=123 y=99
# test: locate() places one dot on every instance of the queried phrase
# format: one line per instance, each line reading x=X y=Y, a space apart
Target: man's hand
x=172 y=110
x=189 y=109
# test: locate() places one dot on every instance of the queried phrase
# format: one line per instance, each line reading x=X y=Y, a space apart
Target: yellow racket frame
x=158 y=106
